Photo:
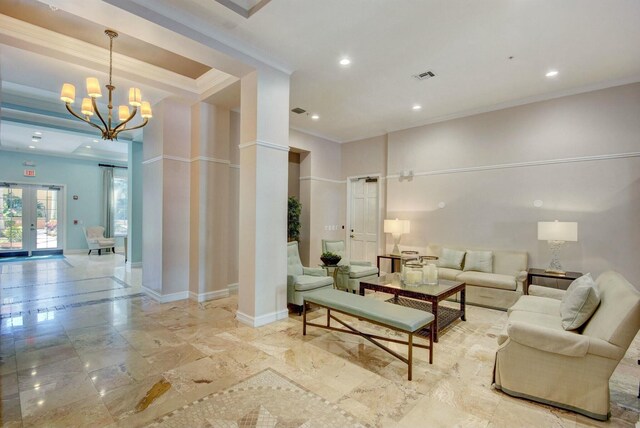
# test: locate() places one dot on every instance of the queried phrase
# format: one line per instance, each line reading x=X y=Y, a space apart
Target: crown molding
x=23 y=35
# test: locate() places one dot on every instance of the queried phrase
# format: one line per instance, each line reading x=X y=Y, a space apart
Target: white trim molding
x=166 y=157
x=165 y=298
x=208 y=159
x=233 y=288
x=327 y=180
x=262 y=319
x=209 y=295
x=234 y=166
x=523 y=164
x=264 y=144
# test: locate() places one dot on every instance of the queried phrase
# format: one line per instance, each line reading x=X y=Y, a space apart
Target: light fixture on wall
x=396 y=228
x=556 y=233
x=108 y=129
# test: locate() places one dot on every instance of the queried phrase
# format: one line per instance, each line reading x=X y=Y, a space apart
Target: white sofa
x=500 y=288
x=539 y=360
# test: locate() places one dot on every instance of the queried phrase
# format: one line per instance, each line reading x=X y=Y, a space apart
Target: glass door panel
x=11 y=219
x=47 y=218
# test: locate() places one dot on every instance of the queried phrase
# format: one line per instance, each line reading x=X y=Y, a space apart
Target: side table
x=541 y=273
x=334 y=273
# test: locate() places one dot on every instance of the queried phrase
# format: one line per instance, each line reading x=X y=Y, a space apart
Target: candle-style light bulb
x=145 y=110
x=135 y=98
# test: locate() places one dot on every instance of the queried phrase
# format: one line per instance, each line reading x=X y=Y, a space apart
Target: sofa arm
x=314 y=271
x=602 y=348
x=522 y=276
x=291 y=280
x=360 y=263
x=549 y=340
x=541 y=291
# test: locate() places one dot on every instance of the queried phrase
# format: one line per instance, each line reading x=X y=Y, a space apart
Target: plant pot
x=330 y=261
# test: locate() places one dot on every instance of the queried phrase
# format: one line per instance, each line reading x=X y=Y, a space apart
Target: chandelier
x=108 y=129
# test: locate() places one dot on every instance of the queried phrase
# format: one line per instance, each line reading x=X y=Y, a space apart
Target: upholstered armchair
x=350 y=272
x=97 y=241
x=302 y=280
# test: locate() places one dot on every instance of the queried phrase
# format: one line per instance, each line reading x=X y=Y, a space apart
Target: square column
x=264 y=147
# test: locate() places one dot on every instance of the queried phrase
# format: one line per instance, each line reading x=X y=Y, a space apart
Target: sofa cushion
x=579 y=302
x=480 y=261
x=542 y=320
x=308 y=282
x=358 y=271
x=450 y=258
x=540 y=305
x=447 y=273
x=492 y=280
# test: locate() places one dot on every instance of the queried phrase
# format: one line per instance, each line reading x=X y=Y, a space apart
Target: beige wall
x=322 y=193
x=577 y=154
x=294 y=175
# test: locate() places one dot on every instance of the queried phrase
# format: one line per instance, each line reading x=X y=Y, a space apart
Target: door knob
x=352 y=236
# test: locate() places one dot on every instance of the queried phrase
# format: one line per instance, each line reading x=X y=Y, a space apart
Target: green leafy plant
x=14 y=233
x=293 y=217
x=329 y=258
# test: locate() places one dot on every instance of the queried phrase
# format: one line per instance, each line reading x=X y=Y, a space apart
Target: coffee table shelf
x=446 y=315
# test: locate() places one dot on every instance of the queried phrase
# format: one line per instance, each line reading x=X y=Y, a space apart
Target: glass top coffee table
x=424 y=297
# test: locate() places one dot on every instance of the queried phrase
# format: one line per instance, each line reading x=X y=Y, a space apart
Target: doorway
x=31 y=220
x=362 y=240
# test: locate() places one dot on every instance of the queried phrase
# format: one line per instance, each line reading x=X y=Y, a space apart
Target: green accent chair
x=350 y=273
x=302 y=280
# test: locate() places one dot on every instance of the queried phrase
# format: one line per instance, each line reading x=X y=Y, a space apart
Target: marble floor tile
x=88 y=412
x=10 y=416
x=62 y=391
x=40 y=357
x=53 y=373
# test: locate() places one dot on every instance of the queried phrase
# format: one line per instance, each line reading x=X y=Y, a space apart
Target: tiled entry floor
x=128 y=361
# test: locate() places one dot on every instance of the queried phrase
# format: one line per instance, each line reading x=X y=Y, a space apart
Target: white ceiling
x=592 y=43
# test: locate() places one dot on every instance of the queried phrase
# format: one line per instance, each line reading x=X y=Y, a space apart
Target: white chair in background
x=97 y=241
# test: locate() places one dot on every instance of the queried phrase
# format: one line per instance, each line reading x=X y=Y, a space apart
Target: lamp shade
x=93 y=87
x=68 y=93
x=557 y=231
x=123 y=113
x=397 y=227
x=145 y=110
x=87 y=107
x=135 y=98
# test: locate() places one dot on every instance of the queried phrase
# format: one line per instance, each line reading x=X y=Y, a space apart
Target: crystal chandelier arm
x=144 y=122
x=68 y=105
x=121 y=125
x=97 y=112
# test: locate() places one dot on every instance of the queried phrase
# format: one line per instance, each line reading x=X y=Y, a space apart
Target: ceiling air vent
x=424 y=75
x=298 y=110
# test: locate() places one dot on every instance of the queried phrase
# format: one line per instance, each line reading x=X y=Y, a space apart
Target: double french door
x=31 y=219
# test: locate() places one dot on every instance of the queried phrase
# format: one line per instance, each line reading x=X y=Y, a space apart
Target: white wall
x=578 y=154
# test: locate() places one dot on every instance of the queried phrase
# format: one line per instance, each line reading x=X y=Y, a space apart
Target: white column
x=209 y=202
x=264 y=146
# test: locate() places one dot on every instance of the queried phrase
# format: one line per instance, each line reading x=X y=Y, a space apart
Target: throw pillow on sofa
x=479 y=261
x=451 y=258
x=579 y=302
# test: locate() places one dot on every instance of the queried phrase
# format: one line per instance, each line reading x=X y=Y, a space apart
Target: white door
x=31 y=219
x=363 y=222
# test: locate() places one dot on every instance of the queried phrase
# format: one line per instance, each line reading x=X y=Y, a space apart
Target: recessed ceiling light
x=32 y=147
x=552 y=73
x=315 y=117
x=417 y=107
x=345 y=61
x=88 y=147
x=38 y=133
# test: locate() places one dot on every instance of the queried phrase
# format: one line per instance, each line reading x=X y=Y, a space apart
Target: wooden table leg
x=410 y=354
x=434 y=326
x=462 y=304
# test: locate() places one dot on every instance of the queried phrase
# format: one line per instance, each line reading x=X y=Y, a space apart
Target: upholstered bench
x=395 y=317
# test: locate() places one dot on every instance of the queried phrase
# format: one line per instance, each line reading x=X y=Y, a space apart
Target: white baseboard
x=76 y=251
x=262 y=319
x=166 y=298
x=209 y=295
x=233 y=288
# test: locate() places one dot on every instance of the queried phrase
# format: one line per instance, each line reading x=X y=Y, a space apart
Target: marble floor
x=81 y=346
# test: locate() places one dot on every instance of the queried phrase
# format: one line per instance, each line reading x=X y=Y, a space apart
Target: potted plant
x=329 y=258
x=293 y=218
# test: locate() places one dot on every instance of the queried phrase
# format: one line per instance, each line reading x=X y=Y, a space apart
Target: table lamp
x=556 y=233
x=396 y=228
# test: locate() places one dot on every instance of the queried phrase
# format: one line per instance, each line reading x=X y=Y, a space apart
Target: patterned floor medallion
x=267 y=399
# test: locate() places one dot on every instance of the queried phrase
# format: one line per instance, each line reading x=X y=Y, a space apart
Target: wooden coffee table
x=424 y=297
